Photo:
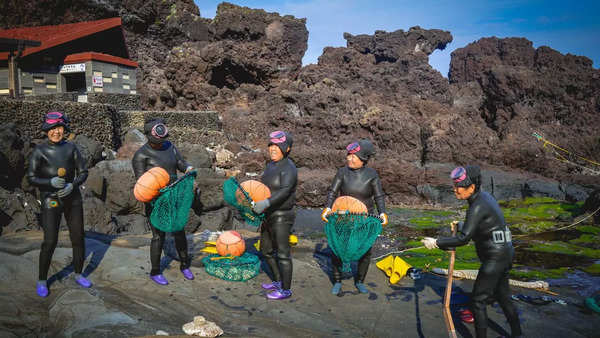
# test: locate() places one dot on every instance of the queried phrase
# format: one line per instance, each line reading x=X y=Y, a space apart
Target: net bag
x=239 y=198
x=170 y=210
x=350 y=235
x=231 y=268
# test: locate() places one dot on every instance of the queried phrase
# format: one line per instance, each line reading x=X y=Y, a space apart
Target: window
x=107 y=79
x=51 y=85
x=4 y=91
x=27 y=90
x=98 y=89
x=114 y=75
x=97 y=73
x=38 y=79
x=126 y=86
x=132 y=92
x=125 y=76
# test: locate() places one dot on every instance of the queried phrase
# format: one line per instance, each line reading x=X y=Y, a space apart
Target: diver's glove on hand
x=325 y=213
x=57 y=182
x=66 y=191
x=260 y=206
x=188 y=169
x=384 y=219
x=430 y=243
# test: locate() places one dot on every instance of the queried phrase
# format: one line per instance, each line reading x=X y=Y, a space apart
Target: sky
x=566 y=26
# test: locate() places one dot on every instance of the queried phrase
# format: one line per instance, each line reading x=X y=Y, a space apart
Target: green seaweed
x=466 y=258
x=589 y=229
x=537 y=274
x=565 y=248
x=593 y=269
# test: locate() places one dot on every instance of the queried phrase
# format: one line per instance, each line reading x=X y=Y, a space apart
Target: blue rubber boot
x=337 y=287
x=42 y=289
x=361 y=288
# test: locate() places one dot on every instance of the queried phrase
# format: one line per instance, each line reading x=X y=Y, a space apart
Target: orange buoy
x=149 y=184
x=255 y=189
x=231 y=243
x=348 y=203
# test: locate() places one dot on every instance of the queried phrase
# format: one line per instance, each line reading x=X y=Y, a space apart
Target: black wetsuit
x=281 y=177
x=485 y=224
x=365 y=185
x=44 y=162
x=168 y=158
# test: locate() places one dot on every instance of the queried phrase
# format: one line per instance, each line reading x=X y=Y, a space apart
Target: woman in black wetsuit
x=363 y=183
x=281 y=177
x=57 y=169
x=159 y=152
x=484 y=224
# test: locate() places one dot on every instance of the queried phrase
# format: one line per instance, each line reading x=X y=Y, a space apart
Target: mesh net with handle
x=242 y=202
x=170 y=210
x=350 y=235
x=232 y=268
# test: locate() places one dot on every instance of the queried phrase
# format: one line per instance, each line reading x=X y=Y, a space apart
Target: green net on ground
x=351 y=235
x=237 y=269
x=242 y=202
x=170 y=210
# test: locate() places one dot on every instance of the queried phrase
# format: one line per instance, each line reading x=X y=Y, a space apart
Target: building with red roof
x=83 y=57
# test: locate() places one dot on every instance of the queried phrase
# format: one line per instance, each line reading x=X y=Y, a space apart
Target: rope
x=396 y=252
x=562 y=158
x=561 y=228
x=472 y=274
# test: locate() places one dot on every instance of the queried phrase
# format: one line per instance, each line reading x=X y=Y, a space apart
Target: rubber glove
x=188 y=169
x=430 y=243
x=57 y=182
x=325 y=213
x=260 y=206
x=384 y=219
x=66 y=191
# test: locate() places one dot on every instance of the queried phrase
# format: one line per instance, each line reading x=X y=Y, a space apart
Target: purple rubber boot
x=272 y=286
x=279 y=294
x=159 y=279
x=84 y=282
x=42 y=289
x=187 y=273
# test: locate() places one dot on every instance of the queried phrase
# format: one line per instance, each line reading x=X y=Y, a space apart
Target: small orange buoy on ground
x=231 y=243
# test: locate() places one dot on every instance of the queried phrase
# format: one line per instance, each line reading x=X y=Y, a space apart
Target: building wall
x=117 y=79
x=3 y=81
x=120 y=101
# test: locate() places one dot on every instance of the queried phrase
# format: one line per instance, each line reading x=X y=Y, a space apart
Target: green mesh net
x=170 y=210
x=231 y=268
x=351 y=235
x=230 y=187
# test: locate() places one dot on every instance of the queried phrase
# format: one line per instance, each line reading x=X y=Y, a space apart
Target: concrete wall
x=116 y=79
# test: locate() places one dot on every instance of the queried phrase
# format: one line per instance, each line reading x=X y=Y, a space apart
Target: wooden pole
x=447 y=313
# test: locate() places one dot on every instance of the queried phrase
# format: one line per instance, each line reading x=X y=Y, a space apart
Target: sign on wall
x=97 y=80
x=72 y=68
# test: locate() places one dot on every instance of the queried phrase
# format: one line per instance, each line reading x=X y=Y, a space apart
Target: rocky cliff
x=246 y=64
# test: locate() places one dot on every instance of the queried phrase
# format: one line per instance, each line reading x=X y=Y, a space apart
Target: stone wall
x=197 y=127
x=98 y=121
x=120 y=101
x=107 y=125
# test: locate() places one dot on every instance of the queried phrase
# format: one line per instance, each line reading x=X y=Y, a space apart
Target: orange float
x=231 y=243
x=348 y=203
x=149 y=184
x=255 y=189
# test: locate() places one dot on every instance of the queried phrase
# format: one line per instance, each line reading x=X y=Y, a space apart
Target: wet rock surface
x=125 y=302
